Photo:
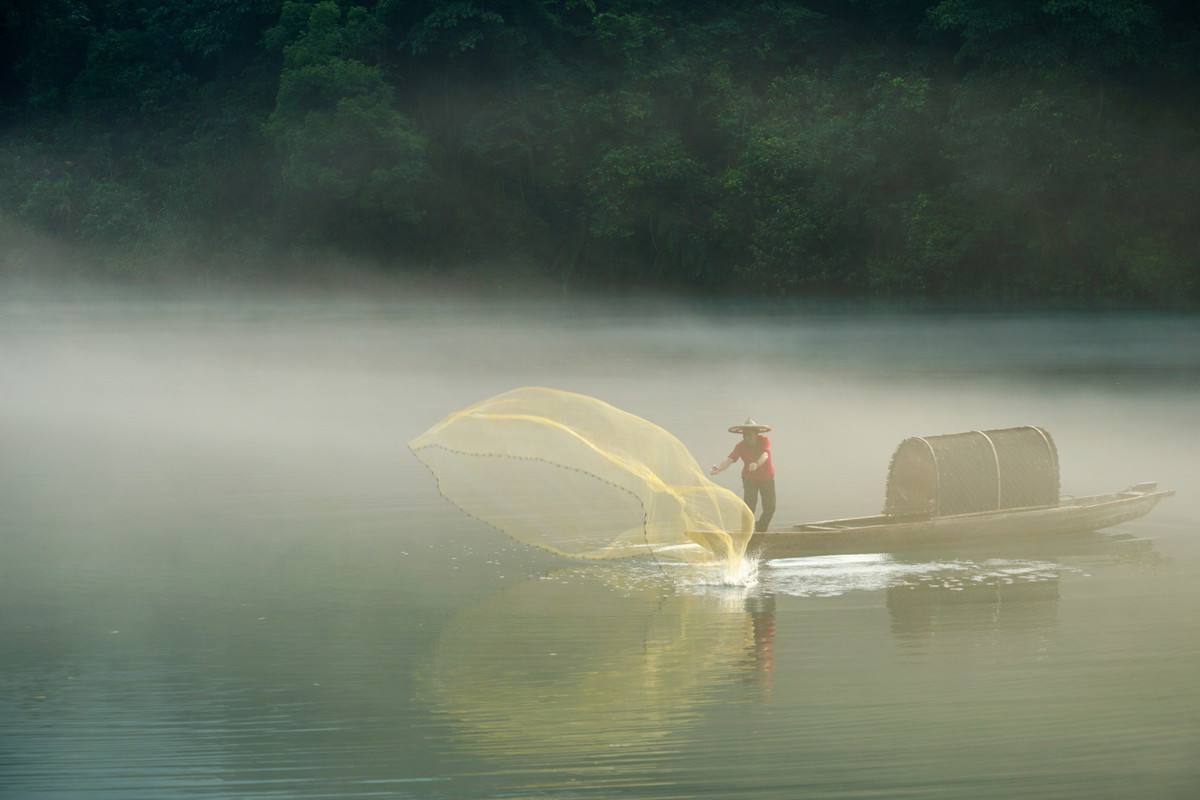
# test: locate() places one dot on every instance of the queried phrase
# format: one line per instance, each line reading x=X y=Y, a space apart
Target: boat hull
x=883 y=533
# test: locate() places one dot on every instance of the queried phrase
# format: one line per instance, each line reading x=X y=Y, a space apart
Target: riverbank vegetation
x=927 y=148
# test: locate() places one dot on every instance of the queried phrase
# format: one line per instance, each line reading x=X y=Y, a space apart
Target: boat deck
x=881 y=531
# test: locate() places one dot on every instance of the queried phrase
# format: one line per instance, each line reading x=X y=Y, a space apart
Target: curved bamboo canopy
x=962 y=473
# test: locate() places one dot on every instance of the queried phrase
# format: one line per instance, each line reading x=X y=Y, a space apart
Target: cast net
x=577 y=476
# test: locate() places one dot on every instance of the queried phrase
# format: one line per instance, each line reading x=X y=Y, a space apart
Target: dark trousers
x=750 y=492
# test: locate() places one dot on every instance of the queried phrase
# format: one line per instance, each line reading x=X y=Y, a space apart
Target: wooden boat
x=885 y=532
x=966 y=487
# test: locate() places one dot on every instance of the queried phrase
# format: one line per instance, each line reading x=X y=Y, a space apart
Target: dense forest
x=931 y=148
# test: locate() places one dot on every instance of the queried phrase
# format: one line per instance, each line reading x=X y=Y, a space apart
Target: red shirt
x=749 y=452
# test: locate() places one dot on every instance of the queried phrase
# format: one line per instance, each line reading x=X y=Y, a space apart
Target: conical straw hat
x=750 y=425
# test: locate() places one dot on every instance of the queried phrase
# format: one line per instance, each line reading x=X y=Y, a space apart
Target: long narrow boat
x=885 y=532
x=975 y=486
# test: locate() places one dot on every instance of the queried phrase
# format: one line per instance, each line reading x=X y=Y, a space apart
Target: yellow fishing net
x=577 y=476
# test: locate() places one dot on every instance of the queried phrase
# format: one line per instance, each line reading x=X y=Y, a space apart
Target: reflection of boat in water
x=565 y=667
x=921 y=610
x=974 y=486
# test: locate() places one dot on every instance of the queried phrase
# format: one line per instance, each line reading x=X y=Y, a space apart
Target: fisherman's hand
x=752 y=466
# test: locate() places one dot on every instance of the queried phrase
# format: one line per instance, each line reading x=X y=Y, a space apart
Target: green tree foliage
x=343 y=145
x=986 y=148
x=1053 y=34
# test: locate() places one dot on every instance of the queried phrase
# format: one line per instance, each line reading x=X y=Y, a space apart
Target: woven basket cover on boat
x=962 y=473
x=577 y=476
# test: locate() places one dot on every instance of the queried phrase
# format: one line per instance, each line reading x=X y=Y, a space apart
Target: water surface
x=223 y=575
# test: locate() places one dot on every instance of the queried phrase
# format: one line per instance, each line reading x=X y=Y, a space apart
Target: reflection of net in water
x=581 y=478
x=565 y=667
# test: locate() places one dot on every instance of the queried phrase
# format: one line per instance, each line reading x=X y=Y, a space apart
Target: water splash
x=717 y=578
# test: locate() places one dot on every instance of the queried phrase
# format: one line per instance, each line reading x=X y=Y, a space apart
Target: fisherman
x=758 y=470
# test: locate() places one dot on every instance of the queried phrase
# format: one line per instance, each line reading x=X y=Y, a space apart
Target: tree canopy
x=934 y=148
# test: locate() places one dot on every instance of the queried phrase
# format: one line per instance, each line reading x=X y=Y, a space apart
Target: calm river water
x=222 y=574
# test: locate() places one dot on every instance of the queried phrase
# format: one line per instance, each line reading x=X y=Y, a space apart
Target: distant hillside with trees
x=928 y=148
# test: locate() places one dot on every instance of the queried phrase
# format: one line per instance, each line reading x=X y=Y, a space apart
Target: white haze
x=118 y=408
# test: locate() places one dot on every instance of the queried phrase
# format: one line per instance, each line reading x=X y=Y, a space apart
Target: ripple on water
x=835 y=575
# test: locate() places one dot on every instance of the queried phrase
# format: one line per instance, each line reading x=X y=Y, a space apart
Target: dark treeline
x=979 y=148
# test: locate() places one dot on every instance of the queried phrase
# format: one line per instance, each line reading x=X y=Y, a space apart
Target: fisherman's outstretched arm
x=724 y=465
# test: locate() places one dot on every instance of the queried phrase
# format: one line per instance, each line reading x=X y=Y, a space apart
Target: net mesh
x=577 y=476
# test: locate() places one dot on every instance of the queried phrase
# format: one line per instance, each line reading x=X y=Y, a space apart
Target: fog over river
x=223 y=574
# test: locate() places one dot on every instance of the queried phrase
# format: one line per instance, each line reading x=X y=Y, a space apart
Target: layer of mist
x=223 y=574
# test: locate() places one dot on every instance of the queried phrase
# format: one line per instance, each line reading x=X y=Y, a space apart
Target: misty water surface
x=222 y=574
